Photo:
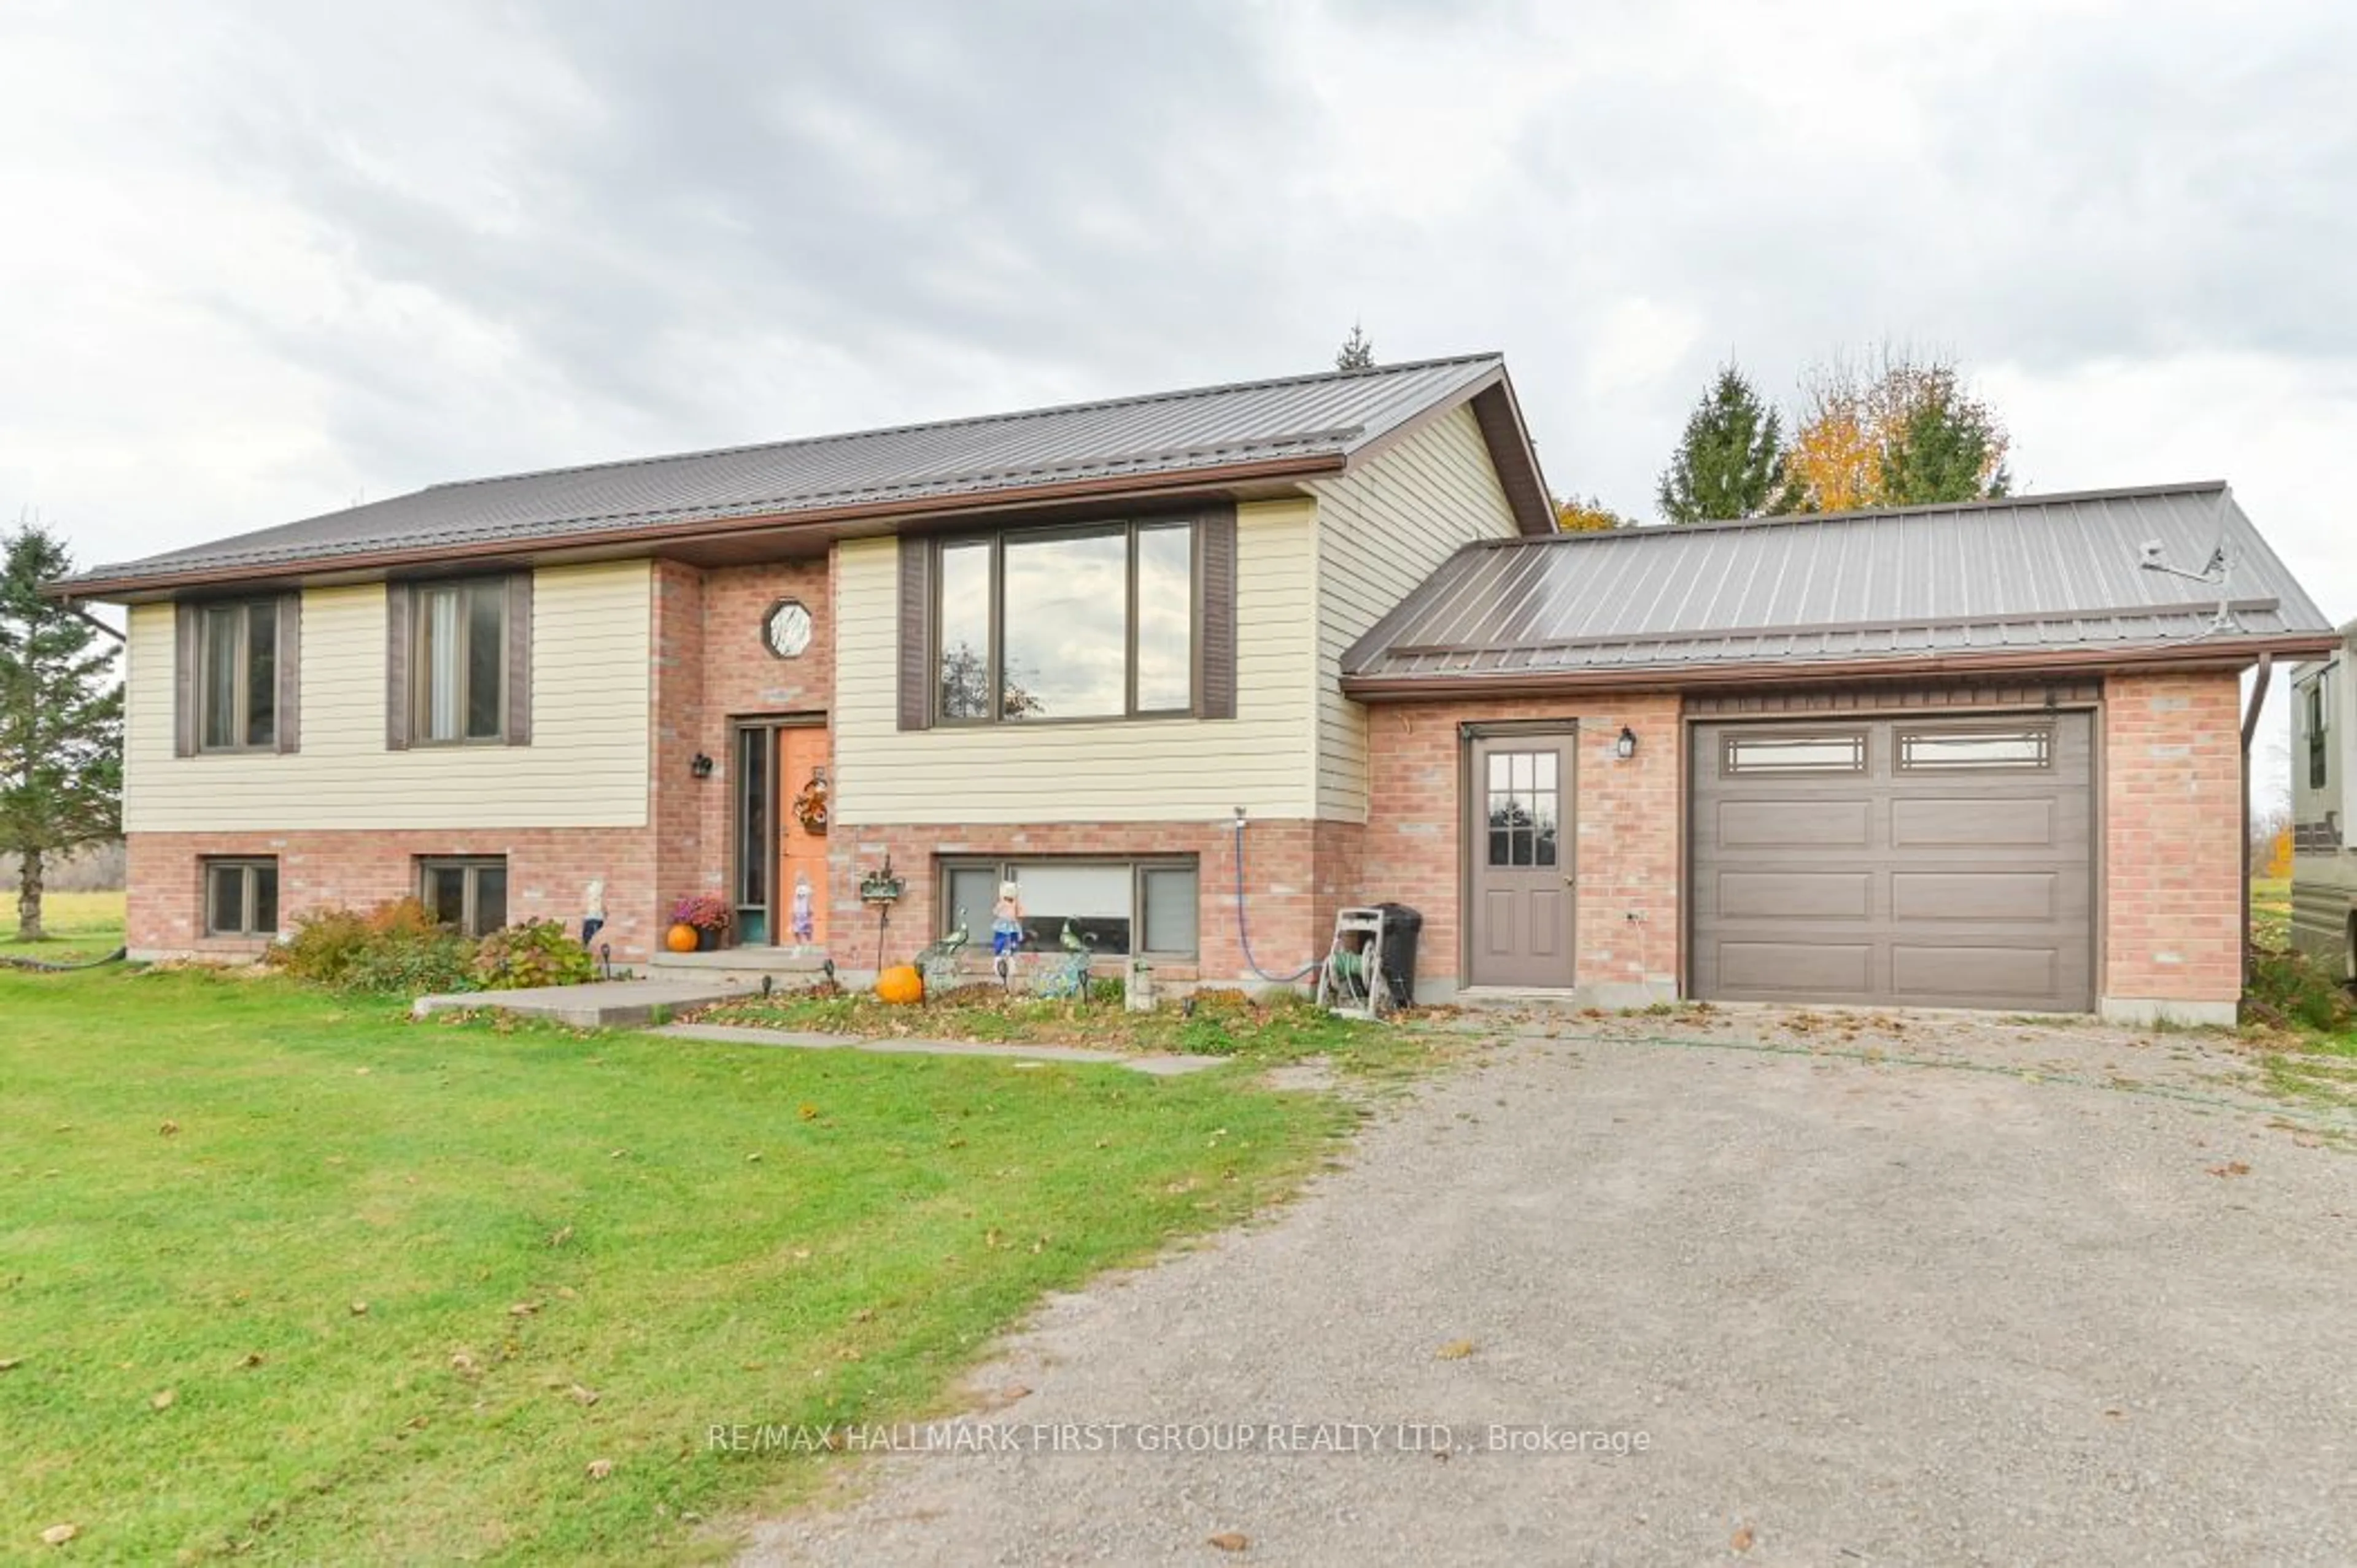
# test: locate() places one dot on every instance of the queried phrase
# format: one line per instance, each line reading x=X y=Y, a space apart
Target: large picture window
x=1147 y=907
x=1066 y=624
x=237 y=676
x=461 y=662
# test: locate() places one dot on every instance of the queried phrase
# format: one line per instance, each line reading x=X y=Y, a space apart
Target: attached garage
x=1989 y=755
x=1900 y=862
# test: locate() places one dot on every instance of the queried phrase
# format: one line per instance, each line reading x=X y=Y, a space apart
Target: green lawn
x=77 y=925
x=1218 y=1024
x=296 y=1279
x=2271 y=910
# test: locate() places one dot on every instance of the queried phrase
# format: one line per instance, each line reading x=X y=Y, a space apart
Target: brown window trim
x=249 y=866
x=192 y=690
x=469 y=911
x=405 y=690
x=1211 y=654
x=1137 y=866
x=1129 y=529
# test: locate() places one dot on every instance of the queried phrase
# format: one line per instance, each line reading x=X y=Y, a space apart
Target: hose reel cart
x=1370 y=967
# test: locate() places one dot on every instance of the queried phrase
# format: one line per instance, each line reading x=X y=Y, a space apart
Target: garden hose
x=43 y=966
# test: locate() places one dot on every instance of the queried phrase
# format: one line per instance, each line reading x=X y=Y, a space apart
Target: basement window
x=1116 y=906
x=241 y=898
x=1975 y=751
x=469 y=895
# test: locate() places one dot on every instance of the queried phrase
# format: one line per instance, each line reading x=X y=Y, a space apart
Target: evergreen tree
x=60 y=721
x=1905 y=434
x=1947 y=448
x=1356 y=353
x=1730 y=462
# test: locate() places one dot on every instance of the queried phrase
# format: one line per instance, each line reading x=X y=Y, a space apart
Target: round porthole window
x=786 y=629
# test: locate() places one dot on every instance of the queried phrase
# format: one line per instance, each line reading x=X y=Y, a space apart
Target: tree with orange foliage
x=1586 y=514
x=1909 y=434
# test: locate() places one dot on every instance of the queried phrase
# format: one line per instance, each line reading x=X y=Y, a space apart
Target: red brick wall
x=2172 y=838
x=1626 y=818
x=1293 y=871
x=713 y=666
x=548 y=869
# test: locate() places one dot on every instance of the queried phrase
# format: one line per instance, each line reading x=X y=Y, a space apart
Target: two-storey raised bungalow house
x=1195 y=669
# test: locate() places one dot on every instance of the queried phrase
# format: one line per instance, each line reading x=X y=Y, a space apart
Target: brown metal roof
x=1297 y=425
x=2055 y=579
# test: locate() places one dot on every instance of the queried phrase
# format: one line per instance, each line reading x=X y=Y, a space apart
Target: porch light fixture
x=1626 y=746
x=701 y=766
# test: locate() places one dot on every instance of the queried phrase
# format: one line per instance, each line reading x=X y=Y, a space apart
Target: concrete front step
x=742 y=968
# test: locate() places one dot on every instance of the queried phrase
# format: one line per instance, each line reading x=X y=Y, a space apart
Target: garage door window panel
x=2028 y=750
x=1777 y=753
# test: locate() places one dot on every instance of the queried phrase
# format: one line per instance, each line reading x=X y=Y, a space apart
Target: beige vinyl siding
x=1382 y=531
x=587 y=765
x=1109 y=772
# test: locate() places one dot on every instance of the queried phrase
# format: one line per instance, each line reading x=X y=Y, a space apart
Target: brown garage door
x=1937 y=862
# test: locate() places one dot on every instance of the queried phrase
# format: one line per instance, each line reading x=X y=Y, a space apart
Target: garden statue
x=1007 y=920
x=803 y=918
x=593 y=911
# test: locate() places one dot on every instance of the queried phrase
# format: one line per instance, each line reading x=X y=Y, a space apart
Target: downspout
x=2250 y=730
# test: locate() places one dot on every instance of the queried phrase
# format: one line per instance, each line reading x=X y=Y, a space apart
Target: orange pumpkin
x=900 y=985
x=681 y=937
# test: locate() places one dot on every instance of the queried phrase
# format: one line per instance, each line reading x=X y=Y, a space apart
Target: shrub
x=396 y=947
x=537 y=952
x=2289 y=989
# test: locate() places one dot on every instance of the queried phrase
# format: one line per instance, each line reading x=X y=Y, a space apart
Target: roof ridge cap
x=1135 y=400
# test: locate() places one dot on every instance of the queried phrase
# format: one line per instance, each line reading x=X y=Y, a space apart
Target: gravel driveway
x=2046 y=1303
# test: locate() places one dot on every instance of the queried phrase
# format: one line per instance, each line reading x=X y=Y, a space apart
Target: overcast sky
x=264 y=261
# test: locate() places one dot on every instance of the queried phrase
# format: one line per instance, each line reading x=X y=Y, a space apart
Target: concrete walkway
x=801 y=1039
x=603 y=1004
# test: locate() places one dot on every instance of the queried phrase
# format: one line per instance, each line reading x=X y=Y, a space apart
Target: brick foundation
x=548 y=868
x=2172 y=847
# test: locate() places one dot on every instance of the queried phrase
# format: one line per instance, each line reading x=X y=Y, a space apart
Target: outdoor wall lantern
x=1626 y=746
x=701 y=766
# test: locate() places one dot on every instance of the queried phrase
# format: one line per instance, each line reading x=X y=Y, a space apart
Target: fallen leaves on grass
x=598 y=1469
x=359 y=1309
x=58 y=1534
x=163 y=1399
x=168 y=1128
